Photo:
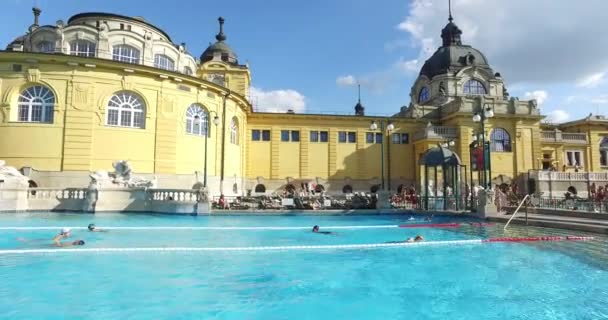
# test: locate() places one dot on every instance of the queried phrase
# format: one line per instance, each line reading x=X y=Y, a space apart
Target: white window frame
x=163 y=61
x=126 y=109
x=83 y=48
x=126 y=53
x=188 y=71
x=234 y=131
x=36 y=104
x=196 y=110
x=574 y=163
x=46 y=46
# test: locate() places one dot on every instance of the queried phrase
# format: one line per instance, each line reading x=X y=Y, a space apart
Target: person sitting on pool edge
x=69 y=244
x=93 y=228
x=315 y=229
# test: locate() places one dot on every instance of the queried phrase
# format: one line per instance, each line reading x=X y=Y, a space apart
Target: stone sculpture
x=12 y=177
x=120 y=177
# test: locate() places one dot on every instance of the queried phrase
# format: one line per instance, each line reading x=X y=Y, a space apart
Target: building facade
x=77 y=96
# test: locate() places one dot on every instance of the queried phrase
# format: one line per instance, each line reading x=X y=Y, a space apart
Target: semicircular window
x=36 y=104
x=126 y=109
x=197 y=120
x=424 y=95
x=474 y=87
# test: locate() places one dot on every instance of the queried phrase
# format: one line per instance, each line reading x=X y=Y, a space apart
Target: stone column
x=486 y=207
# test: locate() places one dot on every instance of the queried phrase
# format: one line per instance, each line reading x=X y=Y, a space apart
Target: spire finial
x=36 y=12
x=359 y=89
x=221 y=36
x=450 y=11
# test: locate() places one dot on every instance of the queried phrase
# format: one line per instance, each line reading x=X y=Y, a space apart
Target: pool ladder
x=527 y=197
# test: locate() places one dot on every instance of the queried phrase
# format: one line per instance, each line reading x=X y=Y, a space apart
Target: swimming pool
x=450 y=280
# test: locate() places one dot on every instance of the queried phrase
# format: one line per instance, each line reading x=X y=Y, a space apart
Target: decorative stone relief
x=126 y=83
x=33 y=75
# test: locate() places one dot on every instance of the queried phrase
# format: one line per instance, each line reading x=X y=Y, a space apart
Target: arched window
x=46 y=46
x=162 y=61
x=82 y=48
x=347 y=189
x=424 y=95
x=234 y=131
x=474 y=87
x=125 y=53
x=197 y=120
x=36 y=104
x=604 y=152
x=126 y=109
x=260 y=188
x=500 y=141
x=188 y=71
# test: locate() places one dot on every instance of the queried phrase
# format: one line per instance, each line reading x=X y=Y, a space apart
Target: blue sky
x=308 y=52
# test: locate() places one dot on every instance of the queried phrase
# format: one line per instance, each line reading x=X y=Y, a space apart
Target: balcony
x=435 y=133
x=556 y=136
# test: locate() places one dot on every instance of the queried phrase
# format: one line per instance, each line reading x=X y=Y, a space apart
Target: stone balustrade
x=436 y=133
x=563 y=137
x=56 y=193
x=569 y=176
x=179 y=195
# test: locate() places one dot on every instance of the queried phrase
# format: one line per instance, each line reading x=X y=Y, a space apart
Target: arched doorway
x=260 y=188
x=347 y=189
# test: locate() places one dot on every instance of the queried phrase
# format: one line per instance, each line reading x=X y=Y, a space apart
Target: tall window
x=318 y=136
x=36 y=104
x=373 y=137
x=474 y=87
x=162 y=61
x=125 y=53
x=424 y=95
x=401 y=138
x=287 y=135
x=345 y=136
x=234 y=131
x=500 y=141
x=188 y=71
x=46 y=46
x=197 y=120
x=604 y=152
x=574 y=158
x=82 y=48
x=126 y=109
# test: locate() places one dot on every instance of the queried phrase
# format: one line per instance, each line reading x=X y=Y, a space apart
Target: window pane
x=284 y=135
x=378 y=137
x=23 y=113
x=352 y=137
x=295 y=136
x=36 y=113
x=255 y=135
x=266 y=135
x=324 y=136
x=342 y=137
x=405 y=138
x=369 y=137
x=125 y=118
x=577 y=158
x=314 y=136
x=396 y=138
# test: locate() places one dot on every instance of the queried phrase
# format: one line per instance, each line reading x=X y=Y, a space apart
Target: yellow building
x=80 y=95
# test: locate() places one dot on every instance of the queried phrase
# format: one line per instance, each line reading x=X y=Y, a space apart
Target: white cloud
x=557 y=116
x=277 y=100
x=539 y=95
x=346 y=81
x=591 y=81
x=526 y=50
x=602 y=99
x=408 y=65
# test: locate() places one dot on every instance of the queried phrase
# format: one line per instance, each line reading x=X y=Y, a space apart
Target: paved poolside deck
x=562 y=220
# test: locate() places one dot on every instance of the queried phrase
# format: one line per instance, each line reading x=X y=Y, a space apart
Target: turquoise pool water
x=548 y=280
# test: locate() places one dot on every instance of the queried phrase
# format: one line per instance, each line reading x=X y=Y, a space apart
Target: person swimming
x=70 y=244
x=411 y=218
x=418 y=238
x=315 y=229
x=93 y=228
x=64 y=233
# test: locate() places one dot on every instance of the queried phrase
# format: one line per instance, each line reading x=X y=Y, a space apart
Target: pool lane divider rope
x=303 y=247
x=412 y=225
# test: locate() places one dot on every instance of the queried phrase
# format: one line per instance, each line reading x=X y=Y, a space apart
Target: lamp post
x=226 y=95
x=448 y=144
x=198 y=121
x=385 y=132
x=481 y=118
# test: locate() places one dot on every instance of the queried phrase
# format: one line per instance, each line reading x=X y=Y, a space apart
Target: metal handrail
x=516 y=210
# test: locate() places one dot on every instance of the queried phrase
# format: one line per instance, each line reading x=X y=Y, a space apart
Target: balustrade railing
x=436 y=132
x=569 y=176
x=179 y=195
x=57 y=193
x=558 y=136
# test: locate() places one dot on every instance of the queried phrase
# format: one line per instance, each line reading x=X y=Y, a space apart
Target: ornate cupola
x=451 y=33
x=359 y=109
x=220 y=50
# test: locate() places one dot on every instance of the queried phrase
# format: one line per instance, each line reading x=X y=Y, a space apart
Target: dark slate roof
x=117 y=16
x=439 y=156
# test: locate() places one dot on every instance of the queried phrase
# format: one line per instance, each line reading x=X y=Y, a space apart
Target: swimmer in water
x=315 y=229
x=418 y=238
x=70 y=244
x=65 y=232
x=93 y=228
x=411 y=218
